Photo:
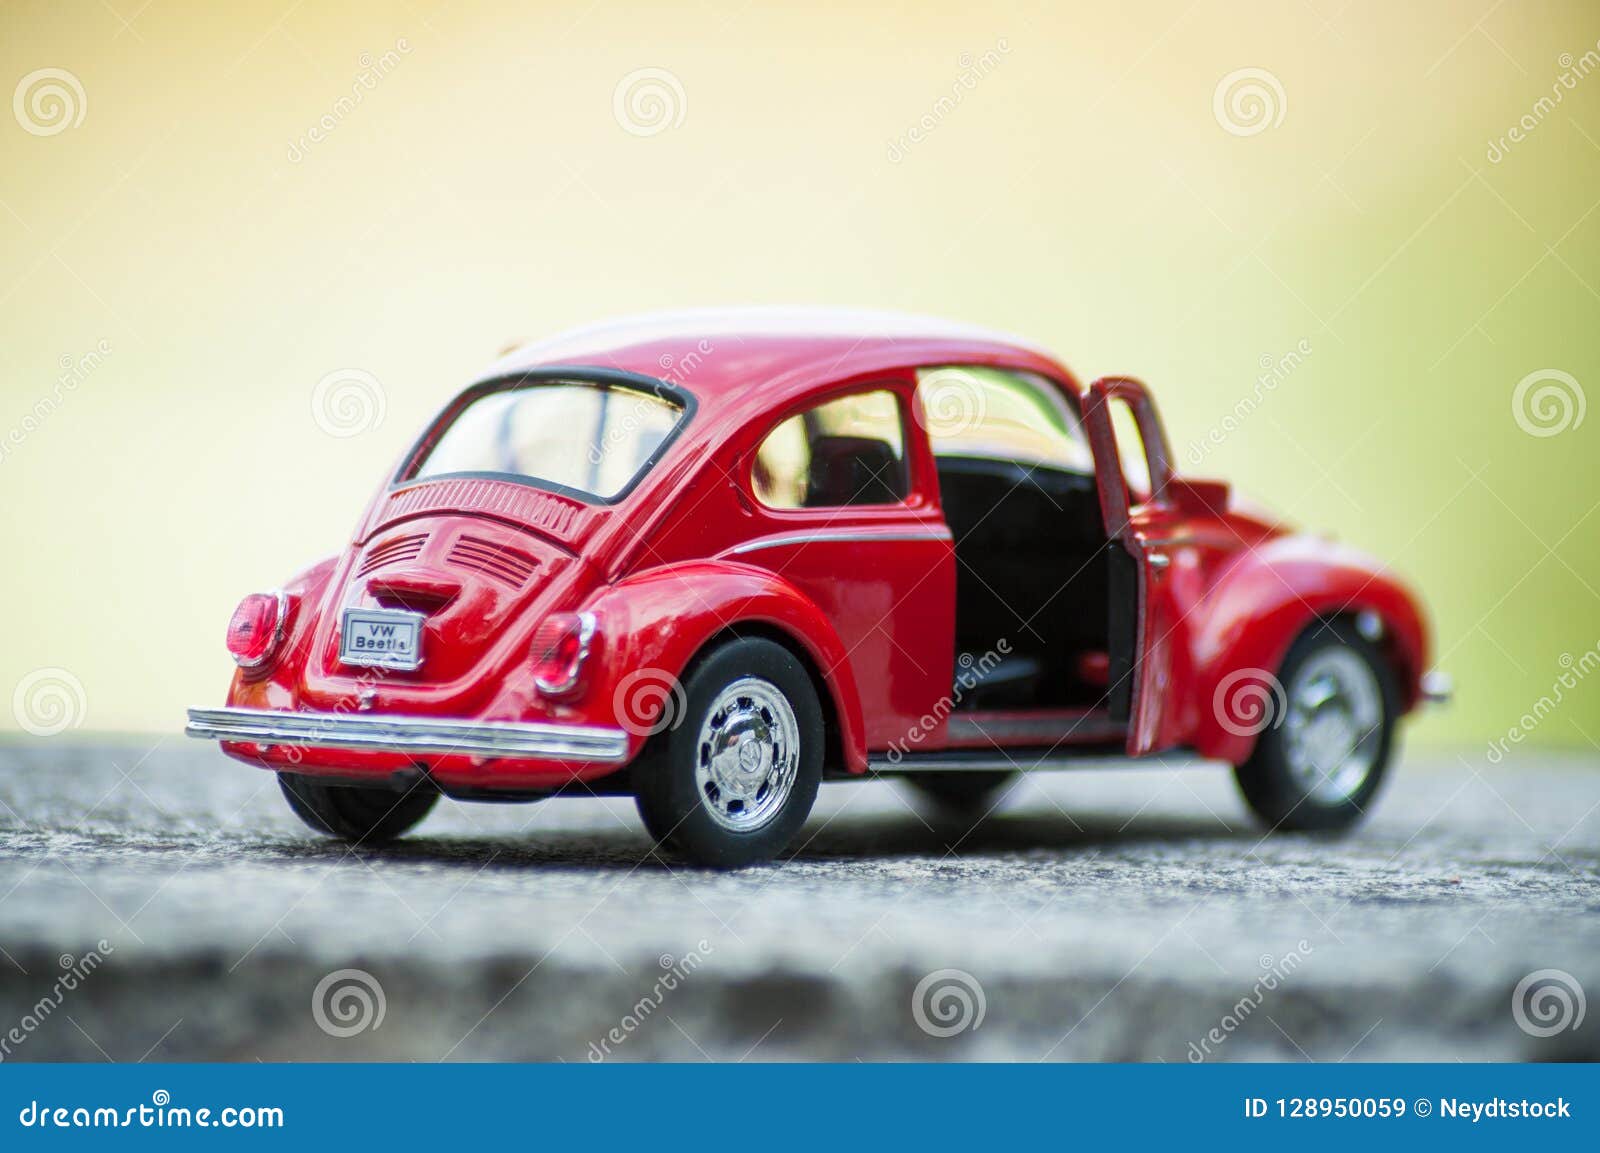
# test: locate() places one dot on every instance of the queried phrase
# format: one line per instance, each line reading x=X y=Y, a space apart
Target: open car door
x=1142 y=614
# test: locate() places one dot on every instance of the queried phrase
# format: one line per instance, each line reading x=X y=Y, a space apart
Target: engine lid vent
x=392 y=551
x=507 y=565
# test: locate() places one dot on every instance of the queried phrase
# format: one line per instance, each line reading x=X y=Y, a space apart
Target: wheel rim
x=748 y=755
x=1333 y=727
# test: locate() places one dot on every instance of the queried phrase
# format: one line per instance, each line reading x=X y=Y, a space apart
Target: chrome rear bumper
x=1437 y=687
x=392 y=734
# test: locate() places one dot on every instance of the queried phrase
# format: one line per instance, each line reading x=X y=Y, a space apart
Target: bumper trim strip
x=400 y=734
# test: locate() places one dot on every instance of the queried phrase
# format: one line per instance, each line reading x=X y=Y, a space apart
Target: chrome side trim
x=885 y=764
x=837 y=535
x=1437 y=687
x=399 y=734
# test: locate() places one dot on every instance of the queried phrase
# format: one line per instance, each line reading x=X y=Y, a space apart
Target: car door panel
x=1146 y=664
x=881 y=569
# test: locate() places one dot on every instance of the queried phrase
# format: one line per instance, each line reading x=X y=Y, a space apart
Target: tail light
x=256 y=630
x=561 y=645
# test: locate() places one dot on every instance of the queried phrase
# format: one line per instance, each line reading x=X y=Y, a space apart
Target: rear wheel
x=364 y=816
x=732 y=781
x=962 y=793
x=1323 y=756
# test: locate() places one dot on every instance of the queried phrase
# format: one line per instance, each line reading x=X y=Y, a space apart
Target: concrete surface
x=1103 y=914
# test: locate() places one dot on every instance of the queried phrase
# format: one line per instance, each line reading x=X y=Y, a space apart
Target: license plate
x=381 y=638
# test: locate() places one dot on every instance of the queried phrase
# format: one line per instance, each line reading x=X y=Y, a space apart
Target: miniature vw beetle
x=712 y=559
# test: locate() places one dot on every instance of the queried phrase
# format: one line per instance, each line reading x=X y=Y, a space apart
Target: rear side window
x=843 y=453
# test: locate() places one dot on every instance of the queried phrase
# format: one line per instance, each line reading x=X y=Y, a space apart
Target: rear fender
x=273 y=686
x=655 y=623
x=1263 y=602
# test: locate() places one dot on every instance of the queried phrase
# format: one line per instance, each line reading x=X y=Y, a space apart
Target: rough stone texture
x=1105 y=914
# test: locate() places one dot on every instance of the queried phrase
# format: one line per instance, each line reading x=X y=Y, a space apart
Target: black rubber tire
x=665 y=792
x=961 y=793
x=363 y=816
x=1265 y=780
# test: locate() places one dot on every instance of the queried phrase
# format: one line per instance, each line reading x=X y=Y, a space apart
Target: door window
x=995 y=414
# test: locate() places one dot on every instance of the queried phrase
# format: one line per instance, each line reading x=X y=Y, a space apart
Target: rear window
x=592 y=438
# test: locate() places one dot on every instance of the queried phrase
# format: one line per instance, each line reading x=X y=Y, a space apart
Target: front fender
x=652 y=625
x=1267 y=598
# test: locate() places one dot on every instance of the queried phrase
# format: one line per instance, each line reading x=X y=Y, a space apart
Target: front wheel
x=733 y=779
x=1329 y=734
x=364 y=816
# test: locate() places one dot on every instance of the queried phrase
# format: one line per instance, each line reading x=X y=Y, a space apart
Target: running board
x=993 y=761
x=1053 y=730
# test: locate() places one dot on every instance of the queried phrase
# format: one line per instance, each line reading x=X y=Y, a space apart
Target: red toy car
x=711 y=560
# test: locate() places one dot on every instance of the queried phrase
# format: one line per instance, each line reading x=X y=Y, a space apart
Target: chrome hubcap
x=747 y=755
x=1334 y=725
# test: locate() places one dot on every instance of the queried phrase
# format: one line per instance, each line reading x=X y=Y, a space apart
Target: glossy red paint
x=865 y=596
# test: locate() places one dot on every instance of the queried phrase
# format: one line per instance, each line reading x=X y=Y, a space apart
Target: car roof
x=786 y=353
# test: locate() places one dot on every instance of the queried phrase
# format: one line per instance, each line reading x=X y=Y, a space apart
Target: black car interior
x=1033 y=568
x=853 y=470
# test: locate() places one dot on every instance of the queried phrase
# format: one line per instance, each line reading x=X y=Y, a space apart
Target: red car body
x=865 y=596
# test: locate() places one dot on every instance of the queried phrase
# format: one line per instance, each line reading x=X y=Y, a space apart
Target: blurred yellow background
x=221 y=205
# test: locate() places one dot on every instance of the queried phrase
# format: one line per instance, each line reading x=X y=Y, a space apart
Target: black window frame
x=405 y=476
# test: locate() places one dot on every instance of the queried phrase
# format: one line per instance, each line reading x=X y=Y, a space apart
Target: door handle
x=1158 y=559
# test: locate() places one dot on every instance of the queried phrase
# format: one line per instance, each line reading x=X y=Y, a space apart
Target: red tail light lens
x=561 y=645
x=256 y=629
